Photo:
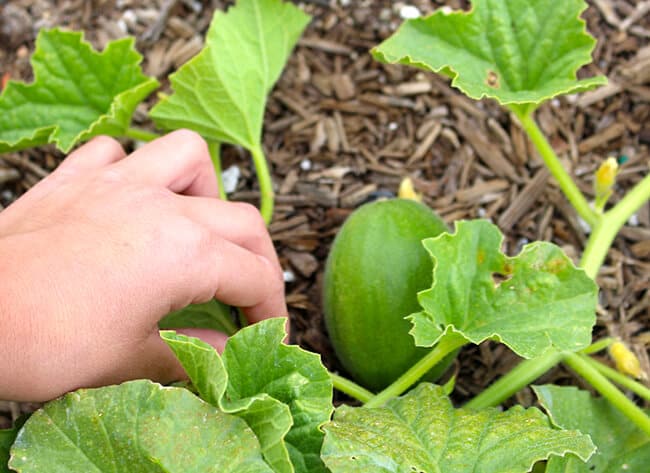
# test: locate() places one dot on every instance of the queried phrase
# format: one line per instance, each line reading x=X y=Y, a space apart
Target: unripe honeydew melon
x=374 y=270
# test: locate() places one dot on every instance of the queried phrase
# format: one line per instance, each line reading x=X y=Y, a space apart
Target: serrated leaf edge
x=580 y=85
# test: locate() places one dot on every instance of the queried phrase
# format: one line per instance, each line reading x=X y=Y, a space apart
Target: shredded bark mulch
x=342 y=129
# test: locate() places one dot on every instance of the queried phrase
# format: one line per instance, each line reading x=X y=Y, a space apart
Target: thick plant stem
x=446 y=345
x=568 y=186
x=520 y=376
x=351 y=388
x=619 y=378
x=141 y=135
x=608 y=390
x=215 y=155
x=266 y=185
x=610 y=223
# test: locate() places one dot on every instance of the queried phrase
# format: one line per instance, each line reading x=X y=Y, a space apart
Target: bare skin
x=94 y=255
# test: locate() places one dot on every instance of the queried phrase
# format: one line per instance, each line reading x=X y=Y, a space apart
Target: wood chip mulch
x=342 y=129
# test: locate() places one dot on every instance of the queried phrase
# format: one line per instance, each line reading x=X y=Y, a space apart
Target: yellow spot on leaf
x=556 y=265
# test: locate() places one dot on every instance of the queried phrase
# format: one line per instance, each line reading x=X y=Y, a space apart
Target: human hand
x=94 y=255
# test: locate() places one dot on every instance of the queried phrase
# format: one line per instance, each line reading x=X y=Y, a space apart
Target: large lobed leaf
x=221 y=93
x=422 y=432
x=544 y=302
x=77 y=93
x=515 y=51
x=137 y=426
x=621 y=445
x=283 y=392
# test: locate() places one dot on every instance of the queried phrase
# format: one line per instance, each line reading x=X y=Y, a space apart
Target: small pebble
x=409 y=12
x=520 y=244
x=230 y=178
x=305 y=165
x=584 y=225
x=288 y=276
x=633 y=220
x=121 y=24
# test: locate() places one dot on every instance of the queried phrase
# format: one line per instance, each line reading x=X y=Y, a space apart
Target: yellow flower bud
x=407 y=191
x=626 y=361
x=606 y=176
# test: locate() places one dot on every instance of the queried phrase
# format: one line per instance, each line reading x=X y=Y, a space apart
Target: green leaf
x=283 y=392
x=621 y=445
x=544 y=302
x=77 y=93
x=515 y=51
x=7 y=437
x=422 y=432
x=221 y=93
x=137 y=426
x=214 y=315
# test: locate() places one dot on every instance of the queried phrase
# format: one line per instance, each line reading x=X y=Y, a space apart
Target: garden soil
x=341 y=129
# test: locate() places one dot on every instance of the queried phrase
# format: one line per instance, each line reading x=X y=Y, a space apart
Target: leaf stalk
x=139 y=134
x=267 y=195
x=448 y=343
x=351 y=388
x=520 y=376
x=619 y=378
x=567 y=184
x=214 y=147
x=627 y=407
x=609 y=225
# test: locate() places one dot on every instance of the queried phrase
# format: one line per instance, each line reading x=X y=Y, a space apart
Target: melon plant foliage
x=263 y=406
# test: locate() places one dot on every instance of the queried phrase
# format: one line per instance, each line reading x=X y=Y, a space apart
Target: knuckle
x=276 y=278
x=252 y=216
x=110 y=143
x=192 y=142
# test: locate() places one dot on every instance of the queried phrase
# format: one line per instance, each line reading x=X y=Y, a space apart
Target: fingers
x=238 y=222
x=179 y=161
x=97 y=153
x=238 y=277
x=153 y=360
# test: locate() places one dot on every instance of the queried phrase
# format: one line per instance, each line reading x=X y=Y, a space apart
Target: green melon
x=374 y=270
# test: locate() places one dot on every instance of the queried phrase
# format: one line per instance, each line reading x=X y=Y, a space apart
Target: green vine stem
x=351 y=388
x=568 y=186
x=215 y=155
x=141 y=135
x=619 y=378
x=585 y=369
x=266 y=185
x=610 y=223
x=598 y=346
x=521 y=375
x=448 y=343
